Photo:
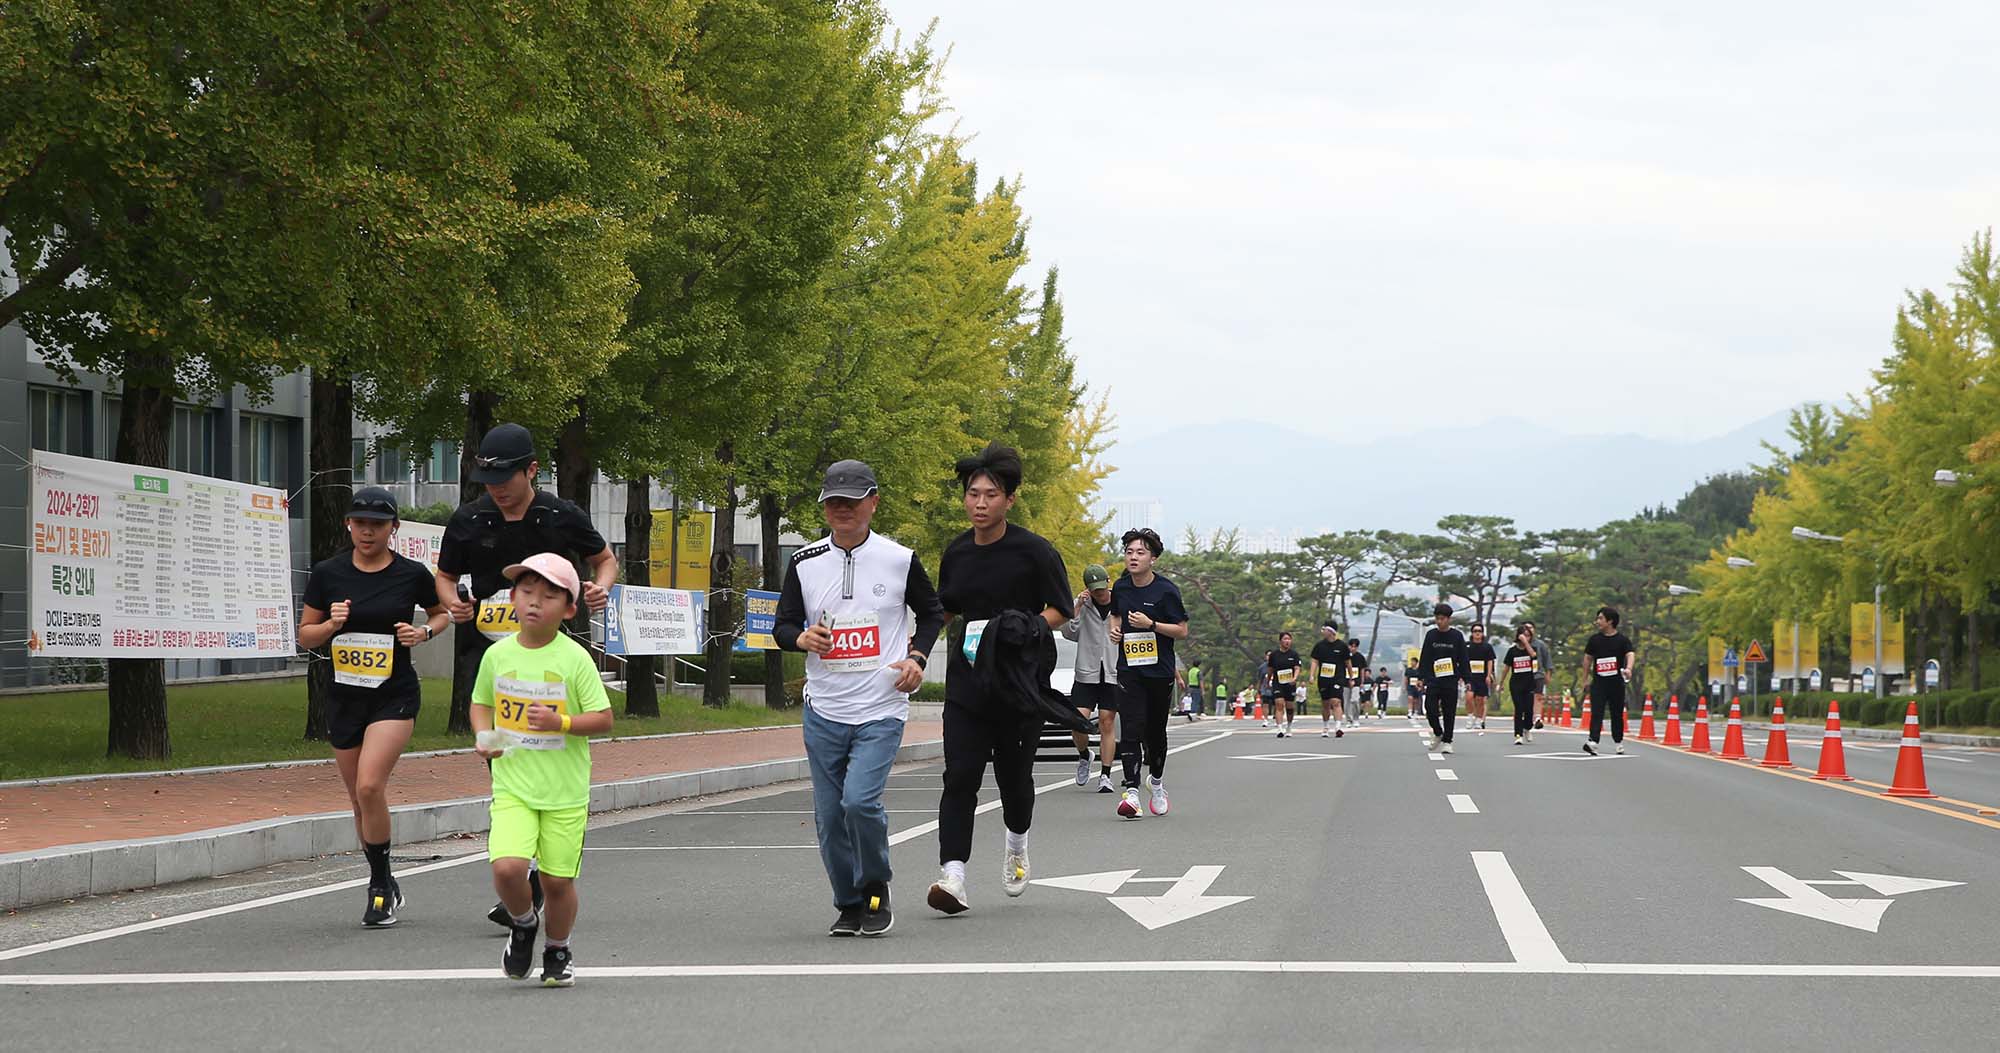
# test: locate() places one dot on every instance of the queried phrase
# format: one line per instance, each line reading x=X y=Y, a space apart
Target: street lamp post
x=1881 y=678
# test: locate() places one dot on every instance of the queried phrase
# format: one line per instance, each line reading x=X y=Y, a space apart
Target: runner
x=1329 y=668
x=1357 y=682
x=361 y=600
x=1442 y=661
x=1413 y=693
x=541 y=690
x=1479 y=661
x=1284 y=665
x=865 y=653
x=1192 y=680
x=1543 y=663
x=991 y=568
x=1523 y=671
x=1147 y=617
x=1608 y=656
x=1096 y=684
x=1382 y=691
x=510 y=522
x=1267 y=690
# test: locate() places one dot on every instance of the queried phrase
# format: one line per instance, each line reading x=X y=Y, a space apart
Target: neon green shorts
x=552 y=837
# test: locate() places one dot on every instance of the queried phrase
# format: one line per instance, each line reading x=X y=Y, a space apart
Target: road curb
x=1885 y=734
x=100 y=867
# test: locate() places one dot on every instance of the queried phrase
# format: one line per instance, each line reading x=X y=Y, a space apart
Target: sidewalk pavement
x=94 y=836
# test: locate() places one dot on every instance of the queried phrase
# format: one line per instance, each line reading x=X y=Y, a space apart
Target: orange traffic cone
x=1909 y=781
x=1646 y=720
x=1777 y=749
x=1259 y=714
x=1698 y=740
x=1732 y=735
x=1239 y=709
x=1832 y=760
x=1565 y=720
x=1584 y=721
x=1673 y=736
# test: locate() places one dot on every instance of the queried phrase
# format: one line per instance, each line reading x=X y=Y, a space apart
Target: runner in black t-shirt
x=1479 y=676
x=1442 y=663
x=504 y=526
x=1357 y=682
x=1381 y=690
x=1413 y=692
x=1284 y=664
x=1608 y=661
x=1522 y=669
x=361 y=602
x=1147 y=617
x=993 y=567
x=1329 y=663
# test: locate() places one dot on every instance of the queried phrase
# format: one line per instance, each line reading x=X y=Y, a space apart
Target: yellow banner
x=692 y=551
x=1715 y=648
x=1783 y=662
x=1861 y=617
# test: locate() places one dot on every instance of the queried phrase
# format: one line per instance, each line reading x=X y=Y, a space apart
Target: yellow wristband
x=565 y=723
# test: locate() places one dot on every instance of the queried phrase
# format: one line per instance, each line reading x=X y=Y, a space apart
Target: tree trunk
x=1972 y=677
x=479 y=410
x=721 y=590
x=642 y=692
x=1947 y=647
x=774 y=579
x=331 y=471
x=138 y=686
x=576 y=477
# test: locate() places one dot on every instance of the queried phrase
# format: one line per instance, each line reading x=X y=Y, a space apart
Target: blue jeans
x=850 y=767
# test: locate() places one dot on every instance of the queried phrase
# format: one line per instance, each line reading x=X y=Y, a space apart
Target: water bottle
x=493 y=739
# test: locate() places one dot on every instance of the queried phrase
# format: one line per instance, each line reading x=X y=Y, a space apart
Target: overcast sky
x=1659 y=218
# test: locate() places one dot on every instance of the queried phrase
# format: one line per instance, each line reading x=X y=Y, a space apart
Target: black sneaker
x=1538 y=723
x=382 y=903
x=875 y=917
x=500 y=916
x=519 y=956
x=556 y=970
x=1590 y=748
x=847 y=924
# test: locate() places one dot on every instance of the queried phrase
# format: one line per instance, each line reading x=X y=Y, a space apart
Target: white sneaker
x=1159 y=802
x=1529 y=737
x=1517 y=740
x=1083 y=770
x=1322 y=732
x=1447 y=748
x=1266 y=722
x=1619 y=749
x=1104 y=784
x=1128 y=805
x=948 y=895
x=1014 y=873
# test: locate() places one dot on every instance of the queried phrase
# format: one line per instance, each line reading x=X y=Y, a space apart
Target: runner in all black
x=991 y=568
x=1608 y=657
x=510 y=522
x=1329 y=664
x=1522 y=670
x=1147 y=616
x=1479 y=676
x=1413 y=692
x=1284 y=664
x=1357 y=682
x=1545 y=662
x=1381 y=690
x=1442 y=662
x=361 y=601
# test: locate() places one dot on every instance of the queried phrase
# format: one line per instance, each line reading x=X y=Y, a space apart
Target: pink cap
x=549 y=567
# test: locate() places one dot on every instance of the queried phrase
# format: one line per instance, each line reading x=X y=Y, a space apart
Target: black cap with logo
x=849 y=479
x=505 y=450
x=373 y=502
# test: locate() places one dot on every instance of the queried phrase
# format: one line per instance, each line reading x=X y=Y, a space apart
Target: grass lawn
x=63 y=733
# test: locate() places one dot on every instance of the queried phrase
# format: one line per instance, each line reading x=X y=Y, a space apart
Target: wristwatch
x=429 y=634
x=923 y=660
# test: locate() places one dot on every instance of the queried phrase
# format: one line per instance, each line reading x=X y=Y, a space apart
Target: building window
x=443 y=464
x=56 y=421
x=392 y=465
x=359 y=457
x=267 y=450
x=192 y=443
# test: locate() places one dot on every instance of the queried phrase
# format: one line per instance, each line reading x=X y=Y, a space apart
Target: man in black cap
x=510 y=522
x=847 y=602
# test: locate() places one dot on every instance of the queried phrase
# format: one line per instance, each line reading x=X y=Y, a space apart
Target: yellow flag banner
x=1784 y=663
x=1716 y=647
x=692 y=550
x=1862 y=625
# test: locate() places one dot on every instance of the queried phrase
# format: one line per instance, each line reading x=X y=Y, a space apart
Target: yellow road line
x=1831 y=785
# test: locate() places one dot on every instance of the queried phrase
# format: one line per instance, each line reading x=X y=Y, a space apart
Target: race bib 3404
x=857 y=644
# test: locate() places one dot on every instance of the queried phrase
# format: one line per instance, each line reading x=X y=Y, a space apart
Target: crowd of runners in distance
x=863 y=609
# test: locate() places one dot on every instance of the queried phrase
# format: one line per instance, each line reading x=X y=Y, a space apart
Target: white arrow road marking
x=1104 y=882
x=1184 y=900
x=1808 y=902
x=1891 y=884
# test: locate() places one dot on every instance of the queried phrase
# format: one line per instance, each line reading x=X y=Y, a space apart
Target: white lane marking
x=216 y=912
x=1435 y=756
x=689 y=848
x=1446 y=775
x=1526 y=936
x=1462 y=804
x=1150 y=965
x=921 y=829
x=793 y=811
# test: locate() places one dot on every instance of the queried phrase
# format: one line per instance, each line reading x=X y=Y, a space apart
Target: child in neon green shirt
x=541 y=690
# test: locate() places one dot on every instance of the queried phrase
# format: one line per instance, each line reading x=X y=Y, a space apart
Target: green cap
x=1095 y=576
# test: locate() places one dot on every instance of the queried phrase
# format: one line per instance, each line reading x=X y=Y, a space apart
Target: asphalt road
x=1358 y=892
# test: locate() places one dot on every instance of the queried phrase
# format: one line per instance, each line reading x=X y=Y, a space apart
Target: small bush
x=1993 y=713
x=1875 y=711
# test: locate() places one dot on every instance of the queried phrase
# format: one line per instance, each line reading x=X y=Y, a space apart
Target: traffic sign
x=1729 y=658
x=1755 y=654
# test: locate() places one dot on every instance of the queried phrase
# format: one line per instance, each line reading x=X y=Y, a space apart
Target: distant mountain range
x=1264 y=478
